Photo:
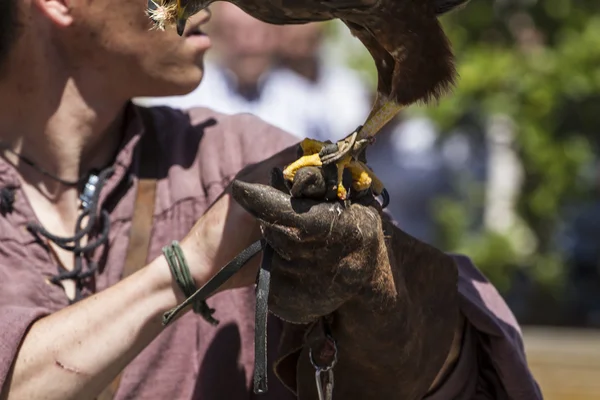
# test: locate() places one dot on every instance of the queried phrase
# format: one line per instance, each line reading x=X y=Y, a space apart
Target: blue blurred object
x=409 y=162
x=579 y=242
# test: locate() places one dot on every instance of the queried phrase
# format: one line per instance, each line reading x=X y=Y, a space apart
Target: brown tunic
x=202 y=151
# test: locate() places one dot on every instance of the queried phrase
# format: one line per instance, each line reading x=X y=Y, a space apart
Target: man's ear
x=58 y=11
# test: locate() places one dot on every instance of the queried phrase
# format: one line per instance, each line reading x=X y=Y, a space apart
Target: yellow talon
x=311 y=146
x=361 y=180
x=312 y=160
x=342 y=193
x=376 y=185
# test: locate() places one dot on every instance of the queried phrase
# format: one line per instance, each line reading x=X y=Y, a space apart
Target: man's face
x=115 y=39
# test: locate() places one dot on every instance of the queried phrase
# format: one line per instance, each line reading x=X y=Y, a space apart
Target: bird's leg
x=363 y=178
x=341 y=165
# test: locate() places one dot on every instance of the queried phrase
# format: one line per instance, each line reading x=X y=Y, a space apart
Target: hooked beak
x=181 y=18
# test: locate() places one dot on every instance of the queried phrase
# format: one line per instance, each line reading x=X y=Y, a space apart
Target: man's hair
x=8 y=27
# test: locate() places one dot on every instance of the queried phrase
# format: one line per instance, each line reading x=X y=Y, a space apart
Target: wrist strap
x=181 y=273
x=216 y=281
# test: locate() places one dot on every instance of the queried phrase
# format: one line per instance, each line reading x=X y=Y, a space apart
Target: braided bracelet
x=181 y=272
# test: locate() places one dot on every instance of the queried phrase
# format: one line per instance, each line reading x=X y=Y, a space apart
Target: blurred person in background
x=301 y=93
x=334 y=98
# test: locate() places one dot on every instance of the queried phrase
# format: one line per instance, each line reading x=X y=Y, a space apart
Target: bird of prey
x=412 y=55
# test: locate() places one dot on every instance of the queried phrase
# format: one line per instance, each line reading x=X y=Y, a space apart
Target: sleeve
x=15 y=322
x=260 y=140
x=237 y=140
x=204 y=150
x=502 y=362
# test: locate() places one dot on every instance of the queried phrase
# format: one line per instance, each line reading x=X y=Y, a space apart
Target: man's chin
x=186 y=86
x=180 y=85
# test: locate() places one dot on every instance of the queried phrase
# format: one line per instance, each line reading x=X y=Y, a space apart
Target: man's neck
x=59 y=123
x=64 y=124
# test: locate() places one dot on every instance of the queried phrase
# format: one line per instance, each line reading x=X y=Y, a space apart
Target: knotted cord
x=182 y=275
x=90 y=198
x=73 y=243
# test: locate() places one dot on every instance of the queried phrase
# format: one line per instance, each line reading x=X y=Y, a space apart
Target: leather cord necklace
x=90 y=185
x=43 y=171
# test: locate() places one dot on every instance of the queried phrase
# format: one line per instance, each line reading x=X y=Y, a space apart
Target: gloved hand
x=394 y=300
x=325 y=253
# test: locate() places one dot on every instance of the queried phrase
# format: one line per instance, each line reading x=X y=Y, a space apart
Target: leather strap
x=217 y=280
x=263 y=282
x=141 y=224
x=143 y=212
x=261 y=314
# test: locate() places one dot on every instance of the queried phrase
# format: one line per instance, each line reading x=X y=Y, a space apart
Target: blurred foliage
x=537 y=63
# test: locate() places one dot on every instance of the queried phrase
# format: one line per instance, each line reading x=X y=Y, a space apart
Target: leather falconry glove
x=345 y=272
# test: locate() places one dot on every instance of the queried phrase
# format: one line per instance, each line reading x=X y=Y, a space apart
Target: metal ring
x=330 y=158
x=328 y=367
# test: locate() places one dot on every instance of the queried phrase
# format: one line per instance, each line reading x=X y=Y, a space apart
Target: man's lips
x=198 y=39
x=194 y=31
